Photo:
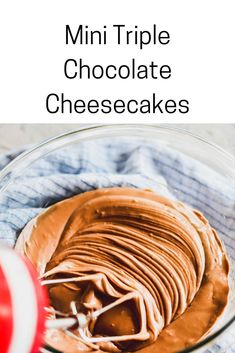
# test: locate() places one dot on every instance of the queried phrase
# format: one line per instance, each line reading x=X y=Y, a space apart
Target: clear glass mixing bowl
x=212 y=165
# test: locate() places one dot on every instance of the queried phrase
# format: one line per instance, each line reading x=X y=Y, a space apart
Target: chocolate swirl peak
x=158 y=259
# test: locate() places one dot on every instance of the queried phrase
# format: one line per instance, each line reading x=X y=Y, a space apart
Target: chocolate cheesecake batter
x=161 y=256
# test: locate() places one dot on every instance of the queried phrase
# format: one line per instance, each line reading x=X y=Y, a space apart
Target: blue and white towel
x=90 y=165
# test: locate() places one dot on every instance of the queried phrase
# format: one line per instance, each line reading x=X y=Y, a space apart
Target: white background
x=201 y=54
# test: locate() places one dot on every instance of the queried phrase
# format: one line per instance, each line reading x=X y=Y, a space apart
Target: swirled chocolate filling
x=161 y=256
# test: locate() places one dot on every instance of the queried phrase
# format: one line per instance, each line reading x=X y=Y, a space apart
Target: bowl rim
x=88 y=130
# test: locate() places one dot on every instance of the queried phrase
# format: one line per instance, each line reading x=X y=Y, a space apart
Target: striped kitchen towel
x=120 y=162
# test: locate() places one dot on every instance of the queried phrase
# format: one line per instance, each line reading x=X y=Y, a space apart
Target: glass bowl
x=170 y=160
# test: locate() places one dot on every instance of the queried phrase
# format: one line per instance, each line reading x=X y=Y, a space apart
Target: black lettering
x=127 y=71
x=142 y=72
x=133 y=68
x=93 y=106
x=119 y=104
x=165 y=71
x=128 y=106
x=170 y=106
x=156 y=105
x=93 y=33
x=142 y=41
x=48 y=105
x=164 y=37
x=128 y=33
x=63 y=101
x=106 y=105
x=81 y=67
x=66 y=68
x=183 y=103
x=108 y=73
x=79 y=106
x=153 y=67
x=95 y=69
x=68 y=34
x=118 y=32
x=145 y=106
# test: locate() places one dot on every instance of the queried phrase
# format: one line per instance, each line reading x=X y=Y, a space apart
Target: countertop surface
x=15 y=136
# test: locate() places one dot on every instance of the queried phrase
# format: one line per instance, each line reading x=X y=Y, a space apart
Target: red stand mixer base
x=22 y=302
